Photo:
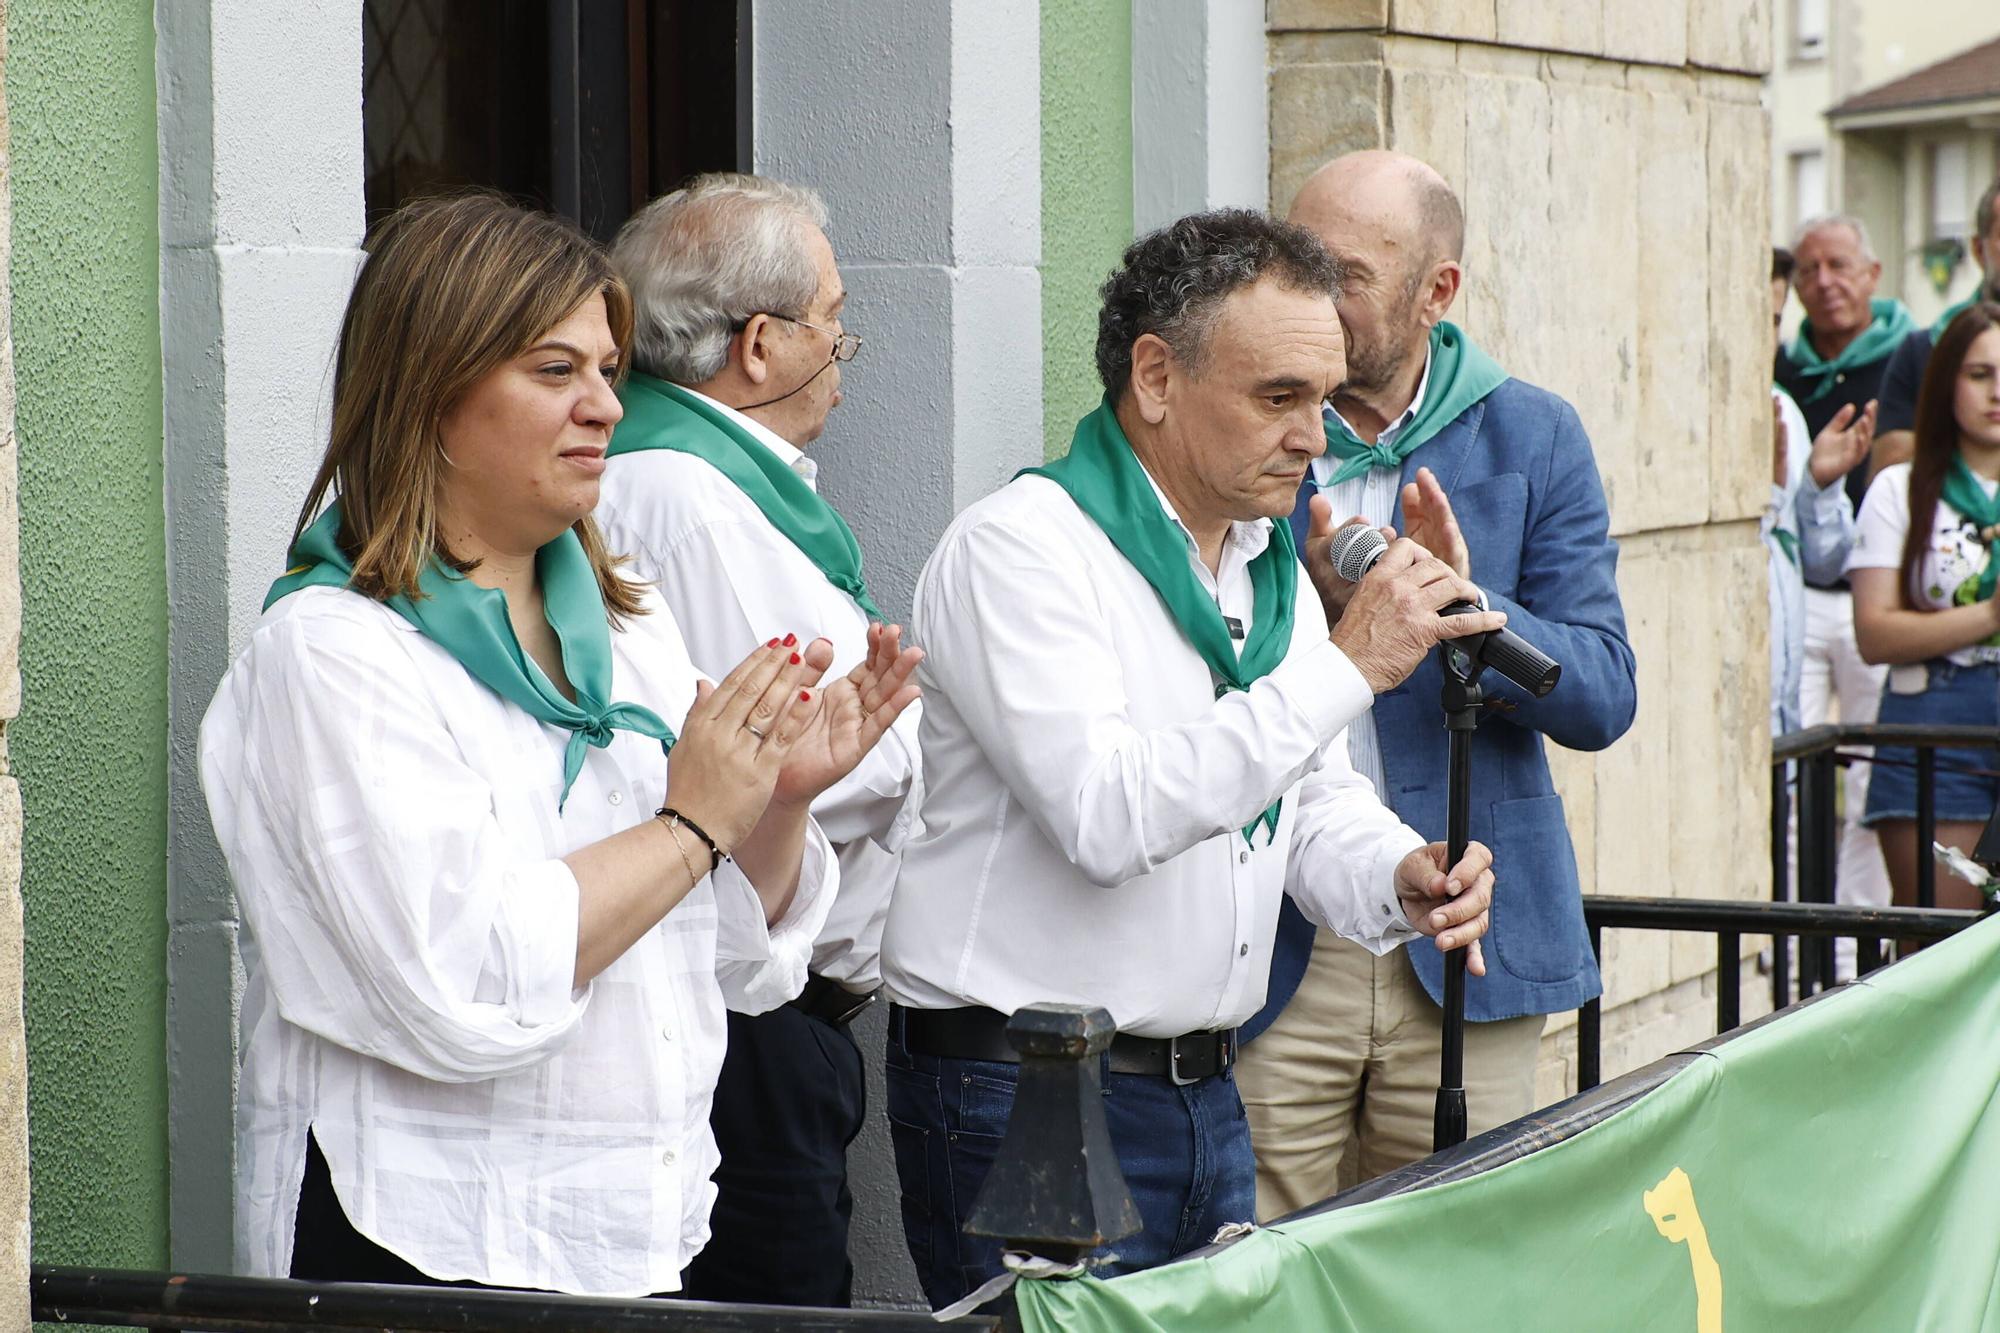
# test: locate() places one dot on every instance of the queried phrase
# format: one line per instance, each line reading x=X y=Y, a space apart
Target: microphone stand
x=1462 y=699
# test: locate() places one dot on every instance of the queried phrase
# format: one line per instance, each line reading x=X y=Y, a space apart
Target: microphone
x=1358 y=546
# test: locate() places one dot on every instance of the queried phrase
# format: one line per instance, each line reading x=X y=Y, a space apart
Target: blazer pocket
x=1493 y=514
x=1538 y=932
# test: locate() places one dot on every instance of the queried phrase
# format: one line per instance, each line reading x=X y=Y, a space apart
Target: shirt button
x=1243 y=858
x=1243 y=951
x=1385 y=910
x=617 y=798
x=668 y=1157
x=667 y=1033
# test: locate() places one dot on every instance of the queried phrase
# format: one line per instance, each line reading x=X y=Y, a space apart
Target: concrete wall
x=1612 y=160
x=13 y=1037
x=90 y=744
x=260 y=219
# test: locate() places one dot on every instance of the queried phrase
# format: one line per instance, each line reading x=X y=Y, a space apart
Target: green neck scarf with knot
x=1963 y=492
x=660 y=415
x=471 y=623
x=1884 y=334
x=1460 y=376
x=1107 y=482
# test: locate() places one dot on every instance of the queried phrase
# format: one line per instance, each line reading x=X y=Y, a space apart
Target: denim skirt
x=1957 y=696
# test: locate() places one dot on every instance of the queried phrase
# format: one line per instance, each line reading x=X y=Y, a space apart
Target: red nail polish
x=791 y=639
x=796 y=659
x=805 y=696
x=772 y=644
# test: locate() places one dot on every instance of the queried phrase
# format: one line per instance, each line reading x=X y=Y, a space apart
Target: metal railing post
x=1589 y=1028
x=1781 y=878
x=1728 y=980
x=1926 y=826
x=1055 y=1189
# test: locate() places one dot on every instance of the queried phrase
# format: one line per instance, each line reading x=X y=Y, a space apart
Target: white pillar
x=920 y=123
x=260 y=223
x=1200 y=109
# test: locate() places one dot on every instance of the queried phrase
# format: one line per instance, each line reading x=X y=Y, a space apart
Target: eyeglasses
x=845 y=345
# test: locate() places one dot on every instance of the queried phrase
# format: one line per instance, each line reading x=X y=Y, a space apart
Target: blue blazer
x=1518 y=468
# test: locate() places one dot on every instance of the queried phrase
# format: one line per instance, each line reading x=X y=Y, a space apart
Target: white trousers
x=1837 y=685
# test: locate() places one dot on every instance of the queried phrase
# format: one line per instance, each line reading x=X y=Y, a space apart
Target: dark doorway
x=585 y=107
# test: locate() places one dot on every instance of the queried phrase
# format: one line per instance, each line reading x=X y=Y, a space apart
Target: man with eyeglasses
x=736 y=353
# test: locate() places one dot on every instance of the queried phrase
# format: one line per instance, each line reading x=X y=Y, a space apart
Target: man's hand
x=1839 y=448
x=1429 y=522
x=1449 y=906
x=1392 y=617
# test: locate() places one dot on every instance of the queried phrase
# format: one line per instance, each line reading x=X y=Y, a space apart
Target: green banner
x=1837 y=1168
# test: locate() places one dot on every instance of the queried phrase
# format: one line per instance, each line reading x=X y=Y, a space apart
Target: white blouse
x=392 y=832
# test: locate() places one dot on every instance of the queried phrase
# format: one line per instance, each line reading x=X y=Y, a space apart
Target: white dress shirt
x=734 y=581
x=1085 y=787
x=392 y=831
x=1373 y=496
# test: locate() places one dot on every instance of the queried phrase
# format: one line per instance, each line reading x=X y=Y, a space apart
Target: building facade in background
x=192 y=180
x=1890 y=111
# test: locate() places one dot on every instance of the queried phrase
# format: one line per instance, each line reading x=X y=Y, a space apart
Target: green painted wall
x=90 y=745
x=1086 y=193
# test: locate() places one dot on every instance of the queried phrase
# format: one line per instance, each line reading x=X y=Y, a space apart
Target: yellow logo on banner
x=1671 y=1206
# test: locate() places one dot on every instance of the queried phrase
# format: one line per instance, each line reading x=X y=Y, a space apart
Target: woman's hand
x=738 y=735
x=853 y=714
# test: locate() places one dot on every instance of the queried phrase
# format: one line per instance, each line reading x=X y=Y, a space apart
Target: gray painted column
x=920 y=123
x=260 y=223
x=1200 y=109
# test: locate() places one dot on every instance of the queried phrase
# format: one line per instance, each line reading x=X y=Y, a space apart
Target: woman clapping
x=484 y=982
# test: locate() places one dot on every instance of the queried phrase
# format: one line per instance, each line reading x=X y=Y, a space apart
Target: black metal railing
x=1811 y=761
x=272 y=1305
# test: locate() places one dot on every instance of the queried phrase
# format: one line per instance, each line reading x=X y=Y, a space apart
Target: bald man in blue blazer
x=1496 y=476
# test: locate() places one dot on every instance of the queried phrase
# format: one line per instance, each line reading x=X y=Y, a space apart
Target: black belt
x=1838 y=585
x=831 y=1002
x=974 y=1033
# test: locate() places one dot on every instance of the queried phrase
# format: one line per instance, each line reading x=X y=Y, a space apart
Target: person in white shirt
x=1925 y=571
x=1132 y=747
x=737 y=353
x=483 y=981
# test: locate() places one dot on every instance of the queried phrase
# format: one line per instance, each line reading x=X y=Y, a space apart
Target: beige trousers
x=1353 y=1060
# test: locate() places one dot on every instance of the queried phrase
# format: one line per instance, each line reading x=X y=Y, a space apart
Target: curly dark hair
x=1172 y=283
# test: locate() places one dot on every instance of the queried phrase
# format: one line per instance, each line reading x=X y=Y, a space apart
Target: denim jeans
x=1185 y=1152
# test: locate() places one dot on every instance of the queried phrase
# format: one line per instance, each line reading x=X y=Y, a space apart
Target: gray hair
x=710 y=255
x=1847 y=220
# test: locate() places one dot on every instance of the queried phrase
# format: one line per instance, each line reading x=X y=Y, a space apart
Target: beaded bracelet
x=675 y=818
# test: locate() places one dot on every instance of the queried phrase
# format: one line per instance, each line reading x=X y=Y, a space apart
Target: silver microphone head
x=1356 y=548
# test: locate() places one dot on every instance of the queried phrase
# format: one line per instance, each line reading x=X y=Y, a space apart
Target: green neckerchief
x=1963 y=492
x=1884 y=334
x=470 y=623
x=1944 y=320
x=659 y=415
x=1105 y=478
x=1460 y=376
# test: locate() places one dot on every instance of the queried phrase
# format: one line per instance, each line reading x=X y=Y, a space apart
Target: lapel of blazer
x=1445 y=453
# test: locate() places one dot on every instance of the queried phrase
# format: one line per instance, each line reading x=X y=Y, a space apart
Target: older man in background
x=1837 y=363
x=1347 y=1059
x=737 y=350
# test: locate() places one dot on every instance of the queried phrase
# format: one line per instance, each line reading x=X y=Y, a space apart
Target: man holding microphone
x=1132 y=747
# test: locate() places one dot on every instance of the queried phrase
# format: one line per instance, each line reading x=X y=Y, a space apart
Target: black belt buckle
x=1215 y=1041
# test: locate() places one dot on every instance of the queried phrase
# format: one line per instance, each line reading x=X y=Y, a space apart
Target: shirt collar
x=1325 y=465
x=788 y=453
x=1250 y=538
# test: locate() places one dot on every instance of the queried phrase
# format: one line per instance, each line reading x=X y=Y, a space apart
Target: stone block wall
x=1613 y=161
x=13 y=1039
